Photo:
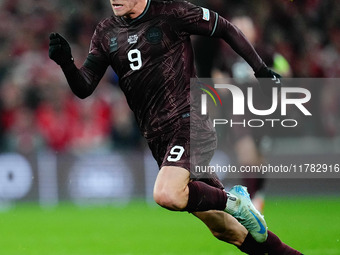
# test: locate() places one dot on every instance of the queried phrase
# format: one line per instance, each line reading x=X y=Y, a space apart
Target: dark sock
x=250 y=246
x=203 y=197
x=272 y=246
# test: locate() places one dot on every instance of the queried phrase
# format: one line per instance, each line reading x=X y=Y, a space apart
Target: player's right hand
x=60 y=50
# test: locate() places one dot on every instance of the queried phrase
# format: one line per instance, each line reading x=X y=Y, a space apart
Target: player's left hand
x=268 y=79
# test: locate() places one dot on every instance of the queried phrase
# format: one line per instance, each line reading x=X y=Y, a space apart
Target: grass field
x=311 y=225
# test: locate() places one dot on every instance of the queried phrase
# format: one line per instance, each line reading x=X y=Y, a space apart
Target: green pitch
x=311 y=225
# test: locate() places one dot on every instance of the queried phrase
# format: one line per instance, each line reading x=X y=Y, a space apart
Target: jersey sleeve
x=201 y=21
x=83 y=81
x=97 y=59
x=238 y=42
x=196 y=20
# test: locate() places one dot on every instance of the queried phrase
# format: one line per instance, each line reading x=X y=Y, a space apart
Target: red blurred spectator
x=56 y=118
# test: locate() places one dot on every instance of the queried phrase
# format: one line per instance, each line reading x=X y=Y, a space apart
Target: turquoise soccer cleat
x=240 y=206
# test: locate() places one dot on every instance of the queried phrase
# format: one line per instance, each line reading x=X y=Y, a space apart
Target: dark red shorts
x=189 y=148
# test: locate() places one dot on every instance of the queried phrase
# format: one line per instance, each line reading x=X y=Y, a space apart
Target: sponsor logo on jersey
x=132 y=39
x=113 y=44
x=206 y=14
x=154 y=35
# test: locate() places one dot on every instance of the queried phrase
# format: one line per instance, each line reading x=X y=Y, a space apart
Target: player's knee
x=172 y=200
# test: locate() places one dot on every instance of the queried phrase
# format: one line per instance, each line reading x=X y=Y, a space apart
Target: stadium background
x=55 y=148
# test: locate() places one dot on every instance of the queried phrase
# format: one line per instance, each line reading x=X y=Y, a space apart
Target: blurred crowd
x=37 y=109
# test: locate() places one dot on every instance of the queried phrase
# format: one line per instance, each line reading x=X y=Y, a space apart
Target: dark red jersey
x=153 y=58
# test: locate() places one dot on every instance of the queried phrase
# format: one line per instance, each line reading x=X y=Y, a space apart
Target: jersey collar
x=131 y=21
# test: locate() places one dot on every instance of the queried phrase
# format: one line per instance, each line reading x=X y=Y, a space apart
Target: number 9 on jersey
x=176 y=153
x=135 y=58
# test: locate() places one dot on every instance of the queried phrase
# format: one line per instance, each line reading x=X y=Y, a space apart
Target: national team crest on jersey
x=113 y=44
x=206 y=14
x=154 y=35
x=132 y=39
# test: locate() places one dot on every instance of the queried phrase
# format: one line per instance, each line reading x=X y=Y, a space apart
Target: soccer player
x=147 y=43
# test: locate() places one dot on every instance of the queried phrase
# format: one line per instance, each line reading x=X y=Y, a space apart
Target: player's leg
x=226 y=228
x=172 y=188
x=223 y=226
x=174 y=191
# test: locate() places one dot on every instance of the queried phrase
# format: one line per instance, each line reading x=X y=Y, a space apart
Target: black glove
x=268 y=79
x=60 y=50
